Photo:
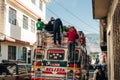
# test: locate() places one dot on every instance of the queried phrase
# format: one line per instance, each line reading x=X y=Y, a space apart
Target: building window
x=40 y=4
x=25 y=22
x=0 y=51
x=32 y=26
x=24 y=53
x=12 y=16
x=20 y=53
x=33 y=1
x=29 y=56
x=11 y=52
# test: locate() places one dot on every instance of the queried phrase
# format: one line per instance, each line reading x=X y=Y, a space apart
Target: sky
x=74 y=12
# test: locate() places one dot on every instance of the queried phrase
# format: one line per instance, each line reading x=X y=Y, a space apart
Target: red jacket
x=83 y=41
x=72 y=35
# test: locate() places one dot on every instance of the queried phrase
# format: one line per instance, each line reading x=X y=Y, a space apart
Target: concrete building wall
x=113 y=34
x=17 y=32
x=2 y=5
x=113 y=70
x=4 y=52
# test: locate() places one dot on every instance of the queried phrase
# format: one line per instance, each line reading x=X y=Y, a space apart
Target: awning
x=4 y=38
x=100 y=8
x=17 y=41
x=9 y=39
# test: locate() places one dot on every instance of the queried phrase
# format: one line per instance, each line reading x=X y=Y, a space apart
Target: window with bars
x=32 y=26
x=11 y=52
x=40 y=4
x=24 y=53
x=12 y=16
x=25 y=22
x=33 y=1
x=0 y=51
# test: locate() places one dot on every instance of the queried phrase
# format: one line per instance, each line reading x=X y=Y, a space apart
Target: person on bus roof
x=58 y=29
x=82 y=38
x=49 y=26
x=39 y=27
x=72 y=36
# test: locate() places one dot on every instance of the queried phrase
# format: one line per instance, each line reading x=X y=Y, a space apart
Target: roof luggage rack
x=13 y=61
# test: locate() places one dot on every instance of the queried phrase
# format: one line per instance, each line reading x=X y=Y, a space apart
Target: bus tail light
x=38 y=69
x=71 y=71
x=32 y=71
x=16 y=78
x=38 y=63
x=73 y=65
x=73 y=74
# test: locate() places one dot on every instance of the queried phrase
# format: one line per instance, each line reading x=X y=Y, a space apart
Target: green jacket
x=40 y=25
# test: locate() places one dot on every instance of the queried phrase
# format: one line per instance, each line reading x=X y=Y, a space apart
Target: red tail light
x=71 y=71
x=32 y=71
x=38 y=63
x=38 y=69
x=73 y=65
x=16 y=78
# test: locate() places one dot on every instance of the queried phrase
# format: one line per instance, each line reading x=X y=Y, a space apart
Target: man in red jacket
x=72 y=35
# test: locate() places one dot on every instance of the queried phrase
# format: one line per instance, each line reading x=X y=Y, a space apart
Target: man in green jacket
x=39 y=27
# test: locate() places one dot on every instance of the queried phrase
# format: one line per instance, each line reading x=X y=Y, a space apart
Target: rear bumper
x=47 y=78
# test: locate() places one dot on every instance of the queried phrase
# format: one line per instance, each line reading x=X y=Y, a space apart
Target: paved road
x=90 y=79
x=90 y=75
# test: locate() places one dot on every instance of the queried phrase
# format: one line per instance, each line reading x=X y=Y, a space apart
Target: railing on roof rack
x=13 y=61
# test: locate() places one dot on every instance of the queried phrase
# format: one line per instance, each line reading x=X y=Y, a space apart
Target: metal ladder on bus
x=73 y=65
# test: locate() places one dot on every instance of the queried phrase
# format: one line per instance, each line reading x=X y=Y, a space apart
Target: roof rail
x=13 y=61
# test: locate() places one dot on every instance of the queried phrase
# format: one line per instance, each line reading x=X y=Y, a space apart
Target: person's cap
x=39 y=19
x=52 y=18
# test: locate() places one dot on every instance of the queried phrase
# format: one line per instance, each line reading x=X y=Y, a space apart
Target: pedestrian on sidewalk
x=99 y=74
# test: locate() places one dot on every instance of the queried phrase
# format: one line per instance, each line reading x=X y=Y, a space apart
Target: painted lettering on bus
x=55 y=69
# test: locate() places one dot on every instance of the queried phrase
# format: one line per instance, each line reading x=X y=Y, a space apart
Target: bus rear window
x=55 y=54
x=39 y=54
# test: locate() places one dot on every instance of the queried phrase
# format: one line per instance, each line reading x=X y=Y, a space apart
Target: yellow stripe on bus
x=38 y=66
x=72 y=68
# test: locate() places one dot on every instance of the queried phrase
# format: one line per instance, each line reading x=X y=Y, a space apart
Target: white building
x=17 y=27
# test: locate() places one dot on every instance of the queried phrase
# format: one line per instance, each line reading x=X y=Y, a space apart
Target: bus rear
x=51 y=66
x=51 y=63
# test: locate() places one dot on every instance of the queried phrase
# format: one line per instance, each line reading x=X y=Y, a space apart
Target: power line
x=53 y=12
x=58 y=16
x=74 y=15
x=65 y=20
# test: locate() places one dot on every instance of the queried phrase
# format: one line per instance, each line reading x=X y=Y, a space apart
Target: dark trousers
x=57 y=37
x=71 y=49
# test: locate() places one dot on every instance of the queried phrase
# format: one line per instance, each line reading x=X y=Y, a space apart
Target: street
x=91 y=72
x=59 y=37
